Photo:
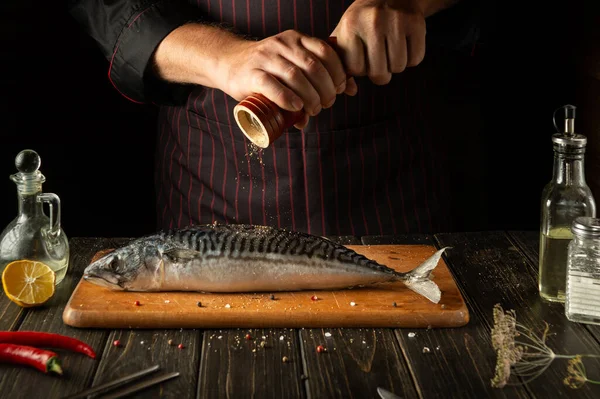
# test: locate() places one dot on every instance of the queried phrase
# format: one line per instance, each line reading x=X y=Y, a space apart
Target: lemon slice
x=28 y=283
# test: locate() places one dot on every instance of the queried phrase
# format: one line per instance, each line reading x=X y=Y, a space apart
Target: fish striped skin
x=248 y=242
x=246 y=258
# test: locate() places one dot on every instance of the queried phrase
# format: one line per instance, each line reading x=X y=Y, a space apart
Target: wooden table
x=490 y=267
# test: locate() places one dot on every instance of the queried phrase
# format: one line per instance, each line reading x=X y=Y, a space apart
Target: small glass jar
x=582 y=303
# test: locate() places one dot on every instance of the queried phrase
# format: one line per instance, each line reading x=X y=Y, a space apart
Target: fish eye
x=114 y=264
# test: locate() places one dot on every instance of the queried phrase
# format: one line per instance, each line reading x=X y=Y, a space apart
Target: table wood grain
x=489 y=268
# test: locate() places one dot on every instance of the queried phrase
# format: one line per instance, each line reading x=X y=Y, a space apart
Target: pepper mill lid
x=29 y=179
x=568 y=137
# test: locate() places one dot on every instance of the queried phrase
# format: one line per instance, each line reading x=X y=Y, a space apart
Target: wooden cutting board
x=93 y=306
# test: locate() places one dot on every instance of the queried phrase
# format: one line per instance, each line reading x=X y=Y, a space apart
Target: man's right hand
x=291 y=69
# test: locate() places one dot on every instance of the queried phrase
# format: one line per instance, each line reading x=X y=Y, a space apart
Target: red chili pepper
x=36 y=338
x=43 y=360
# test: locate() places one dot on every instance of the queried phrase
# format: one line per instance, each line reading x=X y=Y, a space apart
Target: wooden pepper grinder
x=262 y=121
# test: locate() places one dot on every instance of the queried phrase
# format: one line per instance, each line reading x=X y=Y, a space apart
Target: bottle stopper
x=569 y=138
x=29 y=178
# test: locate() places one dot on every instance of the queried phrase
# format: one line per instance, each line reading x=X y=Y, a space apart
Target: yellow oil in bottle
x=553 y=263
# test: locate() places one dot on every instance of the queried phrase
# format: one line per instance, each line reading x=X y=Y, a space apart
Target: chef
x=368 y=158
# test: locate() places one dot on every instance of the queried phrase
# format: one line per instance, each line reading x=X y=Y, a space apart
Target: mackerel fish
x=247 y=258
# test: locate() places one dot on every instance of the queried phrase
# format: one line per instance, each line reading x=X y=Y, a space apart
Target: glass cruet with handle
x=33 y=235
x=564 y=198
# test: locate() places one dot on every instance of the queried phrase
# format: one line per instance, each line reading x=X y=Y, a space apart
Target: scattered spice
x=426 y=349
x=263 y=344
x=411 y=335
x=199 y=304
x=285 y=359
x=314 y=298
x=43 y=360
x=328 y=334
x=320 y=349
x=272 y=297
x=137 y=303
x=170 y=342
x=394 y=304
x=228 y=306
x=50 y=340
x=167 y=301
x=248 y=337
x=180 y=346
x=352 y=303
x=116 y=342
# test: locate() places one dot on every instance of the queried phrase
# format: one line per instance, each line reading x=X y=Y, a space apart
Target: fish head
x=130 y=268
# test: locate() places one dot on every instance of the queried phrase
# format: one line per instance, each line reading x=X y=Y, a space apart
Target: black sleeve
x=128 y=32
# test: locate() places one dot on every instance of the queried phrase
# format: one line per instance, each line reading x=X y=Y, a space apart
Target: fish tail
x=419 y=280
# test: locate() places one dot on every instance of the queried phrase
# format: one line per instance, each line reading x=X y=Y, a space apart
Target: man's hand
x=380 y=37
x=291 y=69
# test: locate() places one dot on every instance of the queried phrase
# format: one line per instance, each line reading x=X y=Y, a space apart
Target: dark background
x=97 y=148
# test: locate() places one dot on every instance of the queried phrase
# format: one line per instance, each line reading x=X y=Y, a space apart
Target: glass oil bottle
x=32 y=235
x=564 y=198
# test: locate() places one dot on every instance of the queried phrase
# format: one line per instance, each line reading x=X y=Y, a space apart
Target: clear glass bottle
x=33 y=235
x=582 y=304
x=564 y=198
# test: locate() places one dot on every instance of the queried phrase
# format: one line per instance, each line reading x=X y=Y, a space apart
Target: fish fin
x=427 y=288
x=182 y=253
x=419 y=281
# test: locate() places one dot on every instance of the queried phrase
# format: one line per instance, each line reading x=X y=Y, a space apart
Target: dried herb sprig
x=577 y=376
x=524 y=354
